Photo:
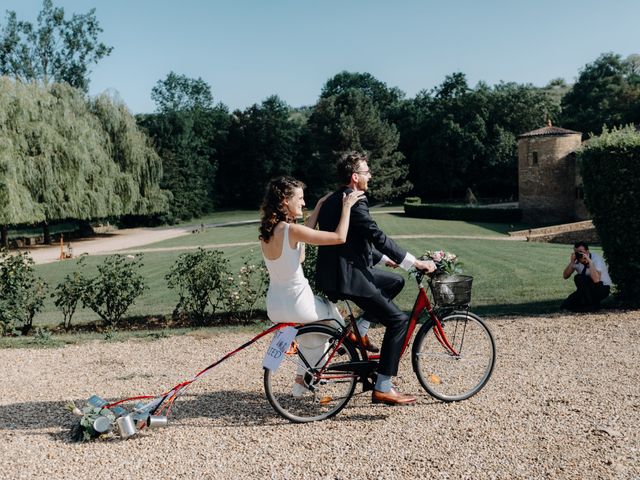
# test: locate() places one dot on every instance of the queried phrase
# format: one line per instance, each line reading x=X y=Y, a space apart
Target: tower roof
x=549 y=130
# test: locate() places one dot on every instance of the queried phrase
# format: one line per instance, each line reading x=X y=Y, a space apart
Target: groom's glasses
x=364 y=172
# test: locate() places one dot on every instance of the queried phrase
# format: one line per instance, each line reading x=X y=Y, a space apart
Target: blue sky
x=247 y=50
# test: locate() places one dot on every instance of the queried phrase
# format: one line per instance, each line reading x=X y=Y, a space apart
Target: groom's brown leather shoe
x=369 y=347
x=392 y=397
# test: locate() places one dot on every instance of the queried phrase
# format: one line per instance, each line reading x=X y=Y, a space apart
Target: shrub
x=610 y=168
x=115 y=288
x=22 y=293
x=309 y=265
x=249 y=286
x=68 y=293
x=413 y=200
x=470 y=214
x=202 y=279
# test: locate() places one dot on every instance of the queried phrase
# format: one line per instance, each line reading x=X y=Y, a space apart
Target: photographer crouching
x=592 y=280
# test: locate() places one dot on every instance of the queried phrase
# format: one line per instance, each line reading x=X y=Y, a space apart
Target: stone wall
x=567 y=233
x=546 y=177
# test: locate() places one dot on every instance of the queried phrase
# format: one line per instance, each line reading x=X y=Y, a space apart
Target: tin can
x=102 y=425
x=118 y=411
x=96 y=401
x=126 y=426
x=156 y=421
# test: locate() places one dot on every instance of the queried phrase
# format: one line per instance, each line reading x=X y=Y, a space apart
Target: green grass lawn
x=509 y=277
x=223 y=216
x=391 y=223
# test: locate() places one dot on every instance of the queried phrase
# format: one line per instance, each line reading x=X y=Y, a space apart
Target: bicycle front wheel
x=457 y=363
x=314 y=381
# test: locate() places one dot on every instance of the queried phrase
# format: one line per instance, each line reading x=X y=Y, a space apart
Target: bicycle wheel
x=460 y=372
x=328 y=383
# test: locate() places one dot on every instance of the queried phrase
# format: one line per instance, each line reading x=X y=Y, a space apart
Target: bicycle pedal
x=367 y=385
x=293 y=349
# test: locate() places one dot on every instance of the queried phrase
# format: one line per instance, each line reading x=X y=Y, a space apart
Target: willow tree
x=62 y=157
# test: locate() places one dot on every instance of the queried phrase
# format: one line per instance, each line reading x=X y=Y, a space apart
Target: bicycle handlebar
x=419 y=274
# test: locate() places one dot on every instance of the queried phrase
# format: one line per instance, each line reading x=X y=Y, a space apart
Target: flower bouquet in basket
x=448 y=286
x=446 y=262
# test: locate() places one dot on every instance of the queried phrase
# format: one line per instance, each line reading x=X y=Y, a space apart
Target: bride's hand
x=322 y=199
x=351 y=199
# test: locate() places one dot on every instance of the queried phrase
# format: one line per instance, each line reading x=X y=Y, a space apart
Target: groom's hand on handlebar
x=426 y=266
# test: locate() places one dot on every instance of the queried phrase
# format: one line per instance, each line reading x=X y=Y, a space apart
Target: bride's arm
x=302 y=233
x=312 y=220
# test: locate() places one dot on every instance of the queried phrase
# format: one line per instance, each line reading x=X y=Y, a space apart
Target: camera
x=579 y=255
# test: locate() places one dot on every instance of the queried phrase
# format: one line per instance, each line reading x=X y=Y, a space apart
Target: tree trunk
x=47 y=234
x=4 y=236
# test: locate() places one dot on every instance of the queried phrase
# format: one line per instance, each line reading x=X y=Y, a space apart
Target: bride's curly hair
x=273 y=210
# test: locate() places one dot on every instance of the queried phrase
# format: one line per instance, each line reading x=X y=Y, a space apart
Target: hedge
x=472 y=214
x=610 y=168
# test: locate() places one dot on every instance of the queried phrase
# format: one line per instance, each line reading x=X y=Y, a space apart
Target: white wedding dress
x=290 y=298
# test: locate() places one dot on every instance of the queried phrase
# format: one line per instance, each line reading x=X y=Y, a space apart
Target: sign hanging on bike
x=278 y=347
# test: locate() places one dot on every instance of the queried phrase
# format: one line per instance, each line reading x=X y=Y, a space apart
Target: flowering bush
x=116 y=287
x=202 y=279
x=445 y=261
x=22 y=293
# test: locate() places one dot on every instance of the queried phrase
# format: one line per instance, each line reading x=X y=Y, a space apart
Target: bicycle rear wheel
x=328 y=383
x=460 y=372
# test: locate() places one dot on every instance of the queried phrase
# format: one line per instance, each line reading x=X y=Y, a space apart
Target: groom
x=347 y=271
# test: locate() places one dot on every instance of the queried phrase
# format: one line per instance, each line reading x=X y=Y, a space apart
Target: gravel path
x=564 y=402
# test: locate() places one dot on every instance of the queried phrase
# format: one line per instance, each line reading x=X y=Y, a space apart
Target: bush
x=68 y=293
x=413 y=200
x=470 y=214
x=21 y=293
x=610 y=168
x=309 y=266
x=249 y=286
x=115 y=288
x=202 y=279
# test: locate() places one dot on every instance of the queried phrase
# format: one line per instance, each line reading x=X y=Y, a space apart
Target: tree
x=180 y=93
x=65 y=158
x=188 y=131
x=384 y=98
x=56 y=49
x=262 y=143
x=607 y=92
x=456 y=137
x=350 y=121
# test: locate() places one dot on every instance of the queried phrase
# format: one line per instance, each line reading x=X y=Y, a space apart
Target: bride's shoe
x=298 y=390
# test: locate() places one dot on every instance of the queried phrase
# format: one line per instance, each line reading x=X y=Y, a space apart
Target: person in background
x=592 y=280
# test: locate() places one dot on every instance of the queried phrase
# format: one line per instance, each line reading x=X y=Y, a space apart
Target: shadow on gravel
x=527 y=309
x=227 y=408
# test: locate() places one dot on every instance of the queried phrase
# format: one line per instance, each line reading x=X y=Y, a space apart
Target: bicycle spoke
x=324 y=392
x=448 y=376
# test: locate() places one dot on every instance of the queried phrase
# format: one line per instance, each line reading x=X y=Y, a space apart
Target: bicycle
x=453 y=356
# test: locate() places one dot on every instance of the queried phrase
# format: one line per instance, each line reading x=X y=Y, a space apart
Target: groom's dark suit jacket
x=345 y=269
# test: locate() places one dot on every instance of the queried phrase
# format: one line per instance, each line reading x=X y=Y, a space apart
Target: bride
x=290 y=298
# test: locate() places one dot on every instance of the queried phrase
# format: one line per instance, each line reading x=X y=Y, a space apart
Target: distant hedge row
x=453 y=212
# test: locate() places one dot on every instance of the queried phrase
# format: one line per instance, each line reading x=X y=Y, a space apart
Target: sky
x=247 y=50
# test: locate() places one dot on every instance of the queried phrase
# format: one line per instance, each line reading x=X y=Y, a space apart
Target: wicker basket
x=450 y=290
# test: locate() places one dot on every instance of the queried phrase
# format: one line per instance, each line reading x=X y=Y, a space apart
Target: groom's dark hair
x=348 y=164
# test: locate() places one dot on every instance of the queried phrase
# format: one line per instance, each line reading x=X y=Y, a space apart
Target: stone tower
x=548 y=192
